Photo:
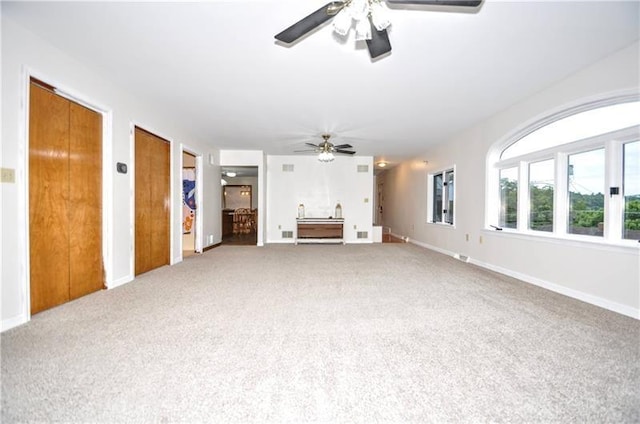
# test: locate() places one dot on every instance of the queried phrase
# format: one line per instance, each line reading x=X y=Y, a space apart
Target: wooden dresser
x=320 y=230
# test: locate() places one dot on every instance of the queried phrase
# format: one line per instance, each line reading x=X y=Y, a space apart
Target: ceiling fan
x=326 y=149
x=370 y=17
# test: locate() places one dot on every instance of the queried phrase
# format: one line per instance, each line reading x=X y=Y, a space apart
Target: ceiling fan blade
x=464 y=3
x=345 y=152
x=312 y=145
x=310 y=22
x=343 y=146
x=305 y=151
x=379 y=43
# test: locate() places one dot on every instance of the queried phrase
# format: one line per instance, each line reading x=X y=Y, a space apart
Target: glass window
x=437 y=198
x=586 y=193
x=541 y=188
x=509 y=197
x=577 y=127
x=443 y=197
x=631 y=188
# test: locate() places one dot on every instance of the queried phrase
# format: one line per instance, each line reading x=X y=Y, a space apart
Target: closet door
x=85 y=197
x=143 y=202
x=151 y=202
x=65 y=200
x=160 y=203
x=48 y=199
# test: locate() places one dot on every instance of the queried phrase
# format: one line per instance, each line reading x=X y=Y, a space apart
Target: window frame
x=612 y=143
x=431 y=193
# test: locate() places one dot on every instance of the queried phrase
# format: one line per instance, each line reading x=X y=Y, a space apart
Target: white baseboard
x=120 y=281
x=9 y=323
x=557 y=288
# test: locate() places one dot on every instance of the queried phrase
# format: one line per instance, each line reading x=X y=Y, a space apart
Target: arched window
x=576 y=175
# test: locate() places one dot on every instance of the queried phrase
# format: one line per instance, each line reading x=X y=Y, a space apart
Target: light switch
x=366 y=200
x=8 y=175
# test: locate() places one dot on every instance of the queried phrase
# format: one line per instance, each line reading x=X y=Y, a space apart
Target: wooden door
x=152 y=201
x=48 y=195
x=65 y=200
x=86 y=273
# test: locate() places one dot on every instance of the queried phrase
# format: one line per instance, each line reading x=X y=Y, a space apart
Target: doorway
x=65 y=198
x=189 y=204
x=239 y=205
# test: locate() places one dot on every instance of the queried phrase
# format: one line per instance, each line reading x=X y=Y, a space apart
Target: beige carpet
x=318 y=333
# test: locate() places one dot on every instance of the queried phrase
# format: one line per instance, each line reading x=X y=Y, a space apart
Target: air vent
x=287 y=167
x=363 y=234
x=363 y=168
x=287 y=234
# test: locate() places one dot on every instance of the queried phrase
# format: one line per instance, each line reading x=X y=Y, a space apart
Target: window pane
x=509 y=198
x=437 y=198
x=577 y=127
x=541 y=188
x=586 y=188
x=632 y=191
x=449 y=214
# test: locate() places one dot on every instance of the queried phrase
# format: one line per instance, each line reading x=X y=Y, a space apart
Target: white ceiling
x=217 y=66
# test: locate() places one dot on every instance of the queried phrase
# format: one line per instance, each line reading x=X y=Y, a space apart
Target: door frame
x=199 y=201
x=24 y=230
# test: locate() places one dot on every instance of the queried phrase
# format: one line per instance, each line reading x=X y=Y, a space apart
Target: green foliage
x=586 y=210
x=632 y=213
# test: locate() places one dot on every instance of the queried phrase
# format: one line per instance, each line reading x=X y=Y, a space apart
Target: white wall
x=604 y=275
x=24 y=53
x=319 y=186
x=248 y=181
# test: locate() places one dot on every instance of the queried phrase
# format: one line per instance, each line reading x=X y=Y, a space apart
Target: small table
x=320 y=230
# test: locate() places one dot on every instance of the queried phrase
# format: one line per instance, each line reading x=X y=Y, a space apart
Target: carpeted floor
x=319 y=333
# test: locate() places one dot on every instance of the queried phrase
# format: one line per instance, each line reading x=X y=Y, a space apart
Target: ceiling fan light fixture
x=325 y=157
x=342 y=23
x=363 y=30
x=379 y=15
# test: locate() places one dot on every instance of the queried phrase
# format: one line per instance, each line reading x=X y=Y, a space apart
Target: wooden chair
x=241 y=223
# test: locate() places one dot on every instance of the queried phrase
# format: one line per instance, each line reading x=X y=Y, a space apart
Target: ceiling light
x=230 y=174
x=382 y=164
x=364 y=13
x=325 y=156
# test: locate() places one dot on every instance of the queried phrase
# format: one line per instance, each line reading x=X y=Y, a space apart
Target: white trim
x=428 y=246
x=9 y=323
x=575 y=294
x=560 y=112
x=132 y=198
x=121 y=281
x=282 y=241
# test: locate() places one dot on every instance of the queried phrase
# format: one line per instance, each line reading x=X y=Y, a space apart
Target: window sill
x=623 y=246
x=442 y=224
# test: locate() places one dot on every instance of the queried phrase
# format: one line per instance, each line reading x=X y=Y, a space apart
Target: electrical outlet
x=366 y=200
x=8 y=175
x=480 y=239
x=355 y=227
x=279 y=227
x=466 y=237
